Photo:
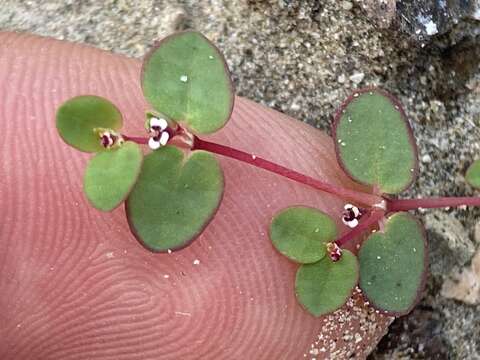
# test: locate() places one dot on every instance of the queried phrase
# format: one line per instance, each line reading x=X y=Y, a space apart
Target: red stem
x=356 y=196
x=441 y=202
x=367 y=199
x=138 y=140
x=373 y=218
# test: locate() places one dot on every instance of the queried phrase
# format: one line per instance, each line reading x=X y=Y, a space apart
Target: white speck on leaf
x=184 y=78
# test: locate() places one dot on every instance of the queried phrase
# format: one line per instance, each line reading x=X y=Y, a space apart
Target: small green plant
x=473 y=174
x=173 y=192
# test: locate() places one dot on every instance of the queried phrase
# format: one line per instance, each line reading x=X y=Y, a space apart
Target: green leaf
x=110 y=175
x=393 y=263
x=301 y=233
x=174 y=198
x=374 y=141
x=186 y=78
x=79 y=117
x=325 y=286
x=473 y=174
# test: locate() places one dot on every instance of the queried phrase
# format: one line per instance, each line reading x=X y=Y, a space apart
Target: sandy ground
x=303 y=58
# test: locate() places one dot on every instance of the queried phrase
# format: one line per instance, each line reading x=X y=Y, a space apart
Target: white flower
x=158 y=124
x=351 y=215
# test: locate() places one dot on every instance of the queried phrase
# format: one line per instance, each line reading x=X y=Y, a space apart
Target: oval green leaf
x=110 y=175
x=325 y=286
x=374 y=142
x=174 y=198
x=186 y=78
x=473 y=174
x=78 y=118
x=393 y=265
x=301 y=233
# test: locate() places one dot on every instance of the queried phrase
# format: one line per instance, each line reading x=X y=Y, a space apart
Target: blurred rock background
x=303 y=58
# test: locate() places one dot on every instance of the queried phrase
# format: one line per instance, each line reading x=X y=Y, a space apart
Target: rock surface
x=303 y=58
x=465 y=286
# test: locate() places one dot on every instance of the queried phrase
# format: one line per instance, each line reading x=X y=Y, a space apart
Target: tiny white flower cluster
x=351 y=215
x=159 y=134
x=334 y=251
x=108 y=139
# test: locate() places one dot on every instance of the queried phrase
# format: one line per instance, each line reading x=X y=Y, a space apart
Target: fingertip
x=106 y=289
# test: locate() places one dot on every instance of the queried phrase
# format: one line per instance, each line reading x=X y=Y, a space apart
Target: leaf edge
x=423 y=281
x=291 y=207
x=411 y=137
x=198 y=233
x=121 y=121
x=231 y=86
x=352 y=291
x=130 y=188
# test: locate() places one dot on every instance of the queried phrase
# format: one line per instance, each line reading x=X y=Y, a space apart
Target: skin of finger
x=75 y=284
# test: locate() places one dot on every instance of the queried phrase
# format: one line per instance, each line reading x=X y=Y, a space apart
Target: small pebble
x=426 y=159
x=347 y=5
x=357 y=78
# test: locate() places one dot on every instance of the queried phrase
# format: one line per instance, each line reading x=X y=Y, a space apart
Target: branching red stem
x=373 y=218
x=370 y=200
x=441 y=202
x=355 y=196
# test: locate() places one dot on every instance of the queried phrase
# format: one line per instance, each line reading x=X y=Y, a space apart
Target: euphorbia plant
x=173 y=192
